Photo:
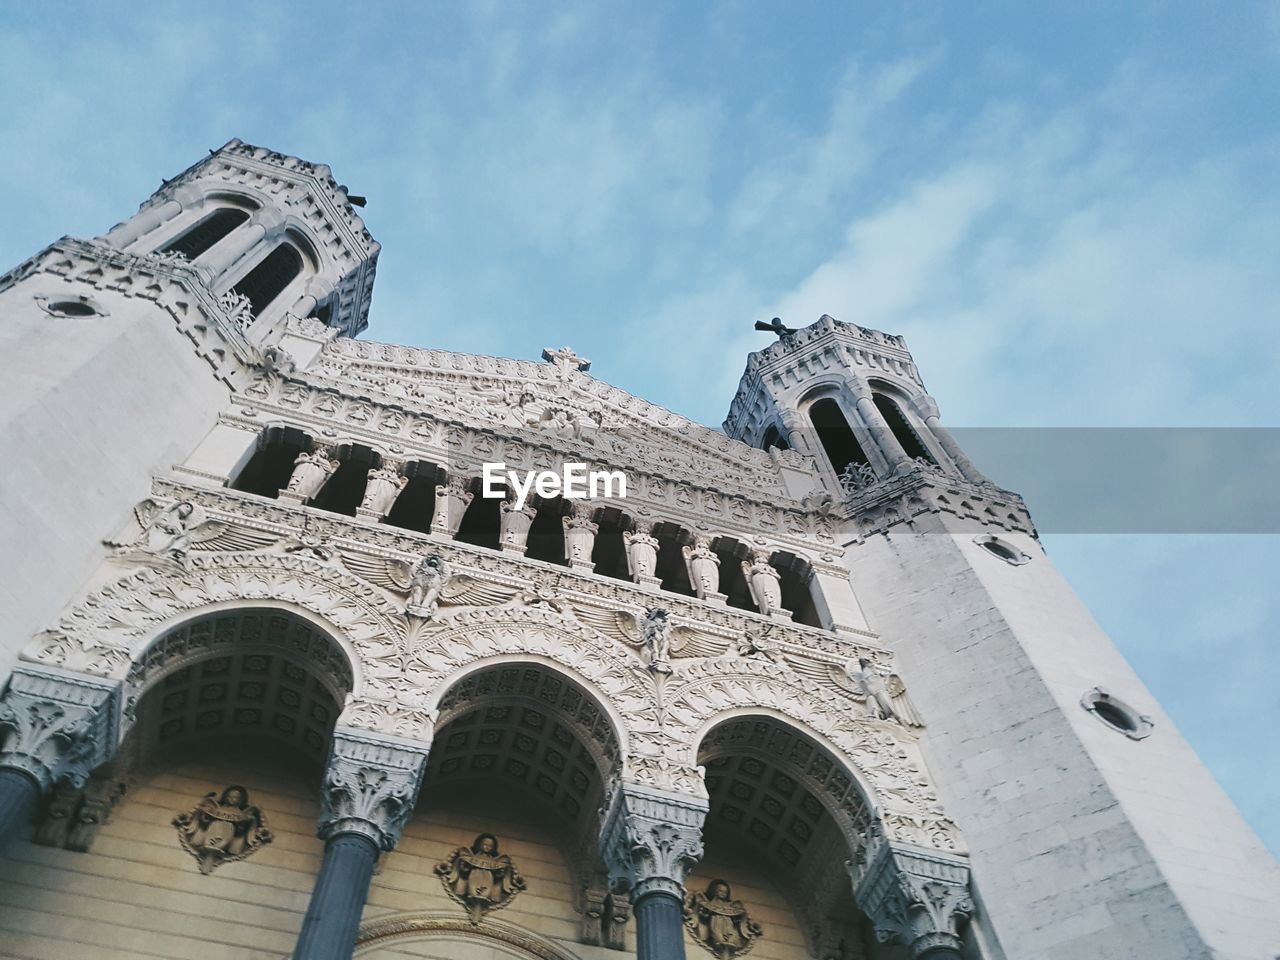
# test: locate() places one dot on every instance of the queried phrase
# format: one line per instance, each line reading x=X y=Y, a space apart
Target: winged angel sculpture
x=165 y=535
x=427 y=584
x=882 y=695
x=652 y=635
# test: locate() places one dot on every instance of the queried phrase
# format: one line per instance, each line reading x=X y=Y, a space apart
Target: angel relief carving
x=719 y=923
x=427 y=584
x=165 y=535
x=652 y=635
x=223 y=828
x=480 y=877
x=883 y=696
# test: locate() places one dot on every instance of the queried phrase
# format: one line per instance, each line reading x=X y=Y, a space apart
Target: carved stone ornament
x=651 y=839
x=918 y=899
x=222 y=828
x=480 y=877
x=164 y=535
x=370 y=786
x=720 y=923
x=310 y=472
x=56 y=727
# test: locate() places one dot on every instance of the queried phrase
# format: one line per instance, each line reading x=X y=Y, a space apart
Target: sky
x=1069 y=210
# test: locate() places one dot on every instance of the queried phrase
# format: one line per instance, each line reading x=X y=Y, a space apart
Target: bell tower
x=1094 y=829
x=119 y=352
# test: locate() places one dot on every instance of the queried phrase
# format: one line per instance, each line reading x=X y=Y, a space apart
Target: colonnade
x=56 y=726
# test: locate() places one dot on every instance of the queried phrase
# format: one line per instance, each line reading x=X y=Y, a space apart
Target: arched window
x=773 y=438
x=268 y=279
x=836 y=436
x=206 y=232
x=901 y=428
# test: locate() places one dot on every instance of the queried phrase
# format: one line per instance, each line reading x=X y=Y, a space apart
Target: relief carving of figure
x=222 y=828
x=885 y=697
x=579 y=538
x=167 y=534
x=480 y=877
x=720 y=923
x=310 y=471
x=656 y=633
x=381 y=489
x=642 y=554
x=704 y=567
x=425 y=583
x=764 y=581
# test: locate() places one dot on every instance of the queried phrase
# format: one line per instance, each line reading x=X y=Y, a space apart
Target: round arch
x=109 y=630
x=504 y=939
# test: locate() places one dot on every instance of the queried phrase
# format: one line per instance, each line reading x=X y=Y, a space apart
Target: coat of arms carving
x=223 y=828
x=480 y=877
x=720 y=923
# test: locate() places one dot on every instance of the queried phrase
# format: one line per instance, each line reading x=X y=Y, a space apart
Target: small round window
x=1003 y=549
x=71 y=307
x=1116 y=714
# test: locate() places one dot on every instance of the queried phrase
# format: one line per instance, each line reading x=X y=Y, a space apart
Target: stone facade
x=816 y=657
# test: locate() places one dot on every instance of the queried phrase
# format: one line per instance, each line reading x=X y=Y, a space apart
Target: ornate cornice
x=907 y=498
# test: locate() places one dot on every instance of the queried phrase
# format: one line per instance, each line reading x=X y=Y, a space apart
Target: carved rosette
x=370 y=786
x=57 y=726
x=651 y=839
x=914 y=897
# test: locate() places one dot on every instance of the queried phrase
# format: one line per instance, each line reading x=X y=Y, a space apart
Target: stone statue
x=310 y=471
x=479 y=877
x=704 y=567
x=381 y=490
x=514 y=526
x=656 y=633
x=425 y=583
x=642 y=554
x=579 y=539
x=221 y=829
x=166 y=534
x=764 y=582
x=719 y=922
x=885 y=697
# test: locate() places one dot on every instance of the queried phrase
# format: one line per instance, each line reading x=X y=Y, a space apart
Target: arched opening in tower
x=836 y=436
x=269 y=469
x=901 y=428
x=206 y=232
x=267 y=280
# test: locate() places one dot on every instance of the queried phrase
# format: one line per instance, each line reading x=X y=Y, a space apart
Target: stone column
x=249 y=240
x=382 y=486
x=915 y=897
x=952 y=449
x=642 y=555
x=370 y=786
x=143 y=222
x=650 y=841
x=55 y=727
x=898 y=460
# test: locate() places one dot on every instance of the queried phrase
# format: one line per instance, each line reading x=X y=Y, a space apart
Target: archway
x=785 y=818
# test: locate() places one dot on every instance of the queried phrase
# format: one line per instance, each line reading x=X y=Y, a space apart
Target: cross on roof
x=566 y=359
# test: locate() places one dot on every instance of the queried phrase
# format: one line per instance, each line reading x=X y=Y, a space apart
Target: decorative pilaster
x=370 y=786
x=55 y=727
x=917 y=898
x=650 y=841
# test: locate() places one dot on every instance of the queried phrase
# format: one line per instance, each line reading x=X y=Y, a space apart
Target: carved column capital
x=915 y=897
x=651 y=839
x=370 y=786
x=56 y=726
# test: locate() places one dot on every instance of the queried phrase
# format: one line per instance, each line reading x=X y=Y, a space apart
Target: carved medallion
x=222 y=828
x=720 y=923
x=480 y=877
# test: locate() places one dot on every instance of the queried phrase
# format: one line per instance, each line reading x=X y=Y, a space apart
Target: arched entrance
x=785 y=818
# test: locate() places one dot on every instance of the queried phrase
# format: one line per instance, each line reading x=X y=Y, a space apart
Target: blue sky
x=1071 y=211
